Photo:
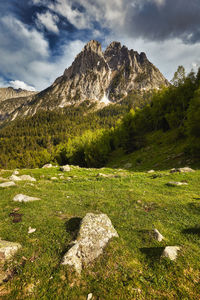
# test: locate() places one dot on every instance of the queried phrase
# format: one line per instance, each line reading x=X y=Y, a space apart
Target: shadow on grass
x=194 y=230
x=72 y=227
x=152 y=253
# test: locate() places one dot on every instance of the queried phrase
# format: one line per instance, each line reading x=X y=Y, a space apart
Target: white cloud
x=48 y=20
x=17 y=84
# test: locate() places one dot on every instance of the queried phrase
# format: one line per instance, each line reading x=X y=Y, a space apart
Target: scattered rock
x=65 y=168
x=128 y=165
x=14 y=178
x=175 y=183
x=31 y=230
x=89 y=297
x=8 y=249
x=27 y=178
x=62 y=177
x=150 y=171
x=108 y=175
x=24 y=198
x=171 y=252
x=94 y=234
x=181 y=170
x=16 y=172
x=158 y=236
x=47 y=166
x=7 y=184
x=54 y=178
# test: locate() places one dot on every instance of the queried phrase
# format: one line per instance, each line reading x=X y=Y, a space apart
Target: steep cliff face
x=106 y=76
x=94 y=75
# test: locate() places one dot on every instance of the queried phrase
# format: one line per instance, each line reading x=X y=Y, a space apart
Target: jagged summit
x=94 y=75
x=94 y=46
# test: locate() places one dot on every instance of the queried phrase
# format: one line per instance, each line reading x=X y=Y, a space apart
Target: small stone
x=62 y=177
x=16 y=172
x=7 y=184
x=24 y=198
x=89 y=297
x=171 y=252
x=47 y=166
x=31 y=230
x=158 y=236
x=174 y=183
x=150 y=171
x=27 y=178
x=54 y=178
x=65 y=168
x=15 y=178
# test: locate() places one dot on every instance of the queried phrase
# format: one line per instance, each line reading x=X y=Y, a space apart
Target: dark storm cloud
x=161 y=20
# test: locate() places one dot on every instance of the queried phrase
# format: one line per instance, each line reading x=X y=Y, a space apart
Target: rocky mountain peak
x=94 y=46
x=106 y=77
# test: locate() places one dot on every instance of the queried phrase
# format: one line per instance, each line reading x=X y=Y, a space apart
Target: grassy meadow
x=131 y=266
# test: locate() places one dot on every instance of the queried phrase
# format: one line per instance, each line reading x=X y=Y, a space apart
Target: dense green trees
x=86 y=136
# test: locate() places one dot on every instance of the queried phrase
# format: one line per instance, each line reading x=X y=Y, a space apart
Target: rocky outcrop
x=105 y=77
x=11 y=93
x=94 y=234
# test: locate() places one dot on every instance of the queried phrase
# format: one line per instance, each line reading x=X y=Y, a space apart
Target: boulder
x=15 y=178
x=65 y=168
x=47 y=166
x=24 y=198
x=175 y=183
x=7 y=184
x=158 y=236
x=27 y=178
x=171 y=252
x=94 y=234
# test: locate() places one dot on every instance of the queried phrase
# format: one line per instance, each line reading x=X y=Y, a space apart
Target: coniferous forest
x=86 y=136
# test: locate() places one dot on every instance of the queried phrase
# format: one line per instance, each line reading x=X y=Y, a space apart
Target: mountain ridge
x=105 y=77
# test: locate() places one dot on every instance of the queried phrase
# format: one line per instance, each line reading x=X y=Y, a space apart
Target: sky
x=39 y=39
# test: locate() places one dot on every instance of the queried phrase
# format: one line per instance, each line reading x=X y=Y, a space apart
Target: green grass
x=131 y=267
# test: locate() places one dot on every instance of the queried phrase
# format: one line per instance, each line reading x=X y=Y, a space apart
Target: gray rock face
x=7 y=184
x=171 y=252
x=65 y=168
x=95 y=232
x=24 y=198
x=11 y=93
